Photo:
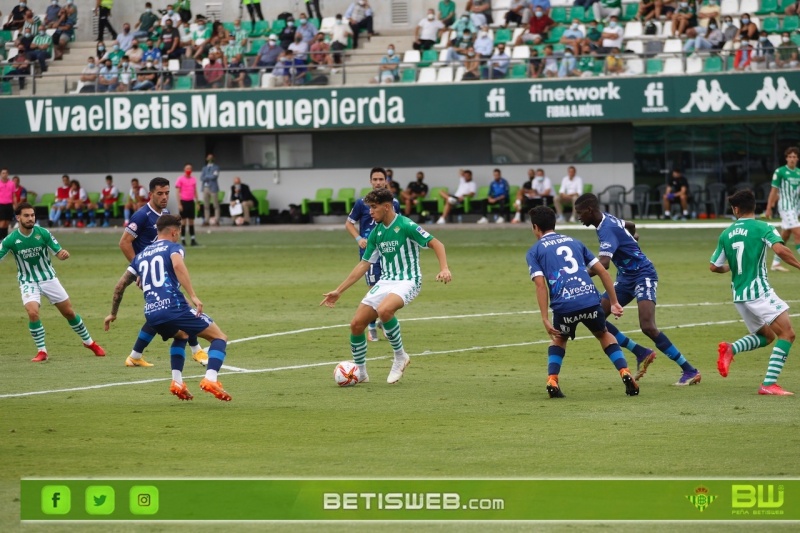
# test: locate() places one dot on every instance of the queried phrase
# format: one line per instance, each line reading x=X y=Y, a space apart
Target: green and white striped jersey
x=744 y=246
x=397 y=245
x=787 y=181
x=31 y=254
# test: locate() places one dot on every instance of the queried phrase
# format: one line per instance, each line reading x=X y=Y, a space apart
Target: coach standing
x=209 y=179
x=103 y=10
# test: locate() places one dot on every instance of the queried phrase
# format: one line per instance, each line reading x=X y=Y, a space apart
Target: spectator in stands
x=549 y=63
x=708 y=11
x=306 y=29
x=147 y=77
x=647 y=10
x=612 y=36
x=137 y=198
x=480 y=12
x=497 y=197
x=108 y=197
x=125 y=39
x=268 y=53
x=339 y=39
x=665 y=8
x=16 y=18
x=115 y=55
x=538 y=28
x=156 y=31
x=185 y=31
x=20 y=193
x=108 y=77
x=170 y=42
x=127 y=75
x=787 y=52
x=685 y=17
x=535 y=64
x=466 y=189
x=293 y=69
x=214 y=70
x=238 y=72
x=299 y=47
x=792 y=9
x=61 y=200
x=457 y=51
x=765 y=52
x=254 y=8
x=594 y=35
x=744 y=54
x=515 y=12
x=427 y=32
x=389 y=69
x=32 y=22
x=241 y=195
x=232 y=48
x=729 y=31
x=605 y=9
x=52 y=15
x=171 y=15
x=472 y=65
x=20 y=67
x=544 y=4
x=568 y=63
x=152 y=55
x=25 y=40
x=677 y=191
x=484 y=45
x=748 y=29
x=710 y=39
x=100 y=50
x=415 y=191
x=465 y=23
x=65 y=30
x=320 y=52
x=585 y=68
x=79 y=201
x=571 y=188
x=241 y=34
x=360 y=16
x=40 y=48
x=497 y=67
x=615 y=65
x=164 y=80
x=573 y=35
x=89 y=77
x=538 y=190
x=286 y=36
x=145 y=23
x=200 y=41
x=184 y=8
x=447 y=12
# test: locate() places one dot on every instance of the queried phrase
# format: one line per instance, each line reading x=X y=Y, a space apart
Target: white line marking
x=331 y=363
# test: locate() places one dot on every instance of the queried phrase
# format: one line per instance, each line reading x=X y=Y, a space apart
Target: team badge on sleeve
x=132 y=226
x=422 y=232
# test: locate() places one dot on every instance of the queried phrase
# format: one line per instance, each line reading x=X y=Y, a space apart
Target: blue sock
x=144 y=339
x=555 y=356
x=177 y=354
x=669 y=349
x=216 y=354
x=614 y=353
x=193 y=340
x=626 y=342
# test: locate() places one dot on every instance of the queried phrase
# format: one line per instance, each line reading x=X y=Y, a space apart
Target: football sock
x=614 y=353
x=669 y=349
x=748 y=343
x=555 y=357
x=177 y=356
x=392 y=330
x=626 y=342
x=78 y=327
x=146 y=335
x=191 y=231
x=193 y=344
x=37 y=332
x=358 y=347
x=216 y=354
x=776 y=361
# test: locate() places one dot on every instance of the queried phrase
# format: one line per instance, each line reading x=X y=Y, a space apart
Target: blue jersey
x=360 y=215
x=498 y=188
x=564 y=263
x=143 y=227
x=618 y=244
x=163 y=299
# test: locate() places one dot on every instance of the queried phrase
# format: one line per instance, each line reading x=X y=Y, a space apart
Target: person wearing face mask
x=145 y=23
x=711 y=39
x=457 y=51
x=539 y=26
x=254 y=9
x=549 y=63
x=587 y=62
x=16 y=18
x=729 y=31
x=484 y=45
x=152 y=54
x=135 y=54
x=360 y=16
x=707 y=11
x=472 y=65
x=40 y=48
x=568 y=63
x=787 y=52
x=125 y=38
x=146 y=78
x=32 y=22
x=428 y=31
x=108 y=77
x=241 y=35
x=684 y=18
x=103 y=11
x=200 y=38
x=115 y=55
x=171 y=15
x=764 y=55
x=748 y=29
x=305 y=29
x=464 y=23
x=612 y=36
x=573 y=35
x=389 y=70
x=286 y=36
x=320 y=52
x=497 y=66
x=615 y=65
x=515 y=12
x=299 y=47
x=238 y=77
x=20 y=68
x=604 y=9
x=339 y=35
x=127 y=75
x=170 y=42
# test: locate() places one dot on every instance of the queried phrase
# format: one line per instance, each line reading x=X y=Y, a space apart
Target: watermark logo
x=654 y=94
x=701 y=499
x=709 y=96
x=497 y=103
x=758 y=496
x=772 y=97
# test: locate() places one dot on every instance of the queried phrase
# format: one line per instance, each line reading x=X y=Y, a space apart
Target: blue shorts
x=592 y=317
x=640 y=287
x=373 y=275
x=188 y=322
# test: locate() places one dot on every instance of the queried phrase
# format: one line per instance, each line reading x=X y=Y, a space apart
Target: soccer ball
x=346 y=374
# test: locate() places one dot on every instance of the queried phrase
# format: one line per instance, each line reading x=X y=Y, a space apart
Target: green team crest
x=701 y=498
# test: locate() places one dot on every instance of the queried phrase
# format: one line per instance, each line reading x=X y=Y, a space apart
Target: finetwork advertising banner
x=692 y=500
x=575 y=100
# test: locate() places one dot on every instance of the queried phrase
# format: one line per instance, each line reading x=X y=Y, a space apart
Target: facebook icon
x=56 y=499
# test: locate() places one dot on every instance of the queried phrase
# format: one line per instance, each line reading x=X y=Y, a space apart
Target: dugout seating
x=320 y=204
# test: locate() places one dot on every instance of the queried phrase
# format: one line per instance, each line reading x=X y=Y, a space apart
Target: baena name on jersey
x=737 y=231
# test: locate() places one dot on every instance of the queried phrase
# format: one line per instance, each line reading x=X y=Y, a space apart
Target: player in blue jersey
x=162 y=272
x=636 y=278
x=138 y=235
x=360 y=215
x=560 y=266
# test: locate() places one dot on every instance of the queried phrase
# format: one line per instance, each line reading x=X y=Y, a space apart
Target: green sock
x=37 y=332
x=776 y=361
x=358 y=346
x=78 y=327
x=749 y=343
x=392 y=330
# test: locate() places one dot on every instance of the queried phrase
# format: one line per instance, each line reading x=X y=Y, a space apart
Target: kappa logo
x=497 y=103
x=709 y=97
x=654 y=94
x=771 y=97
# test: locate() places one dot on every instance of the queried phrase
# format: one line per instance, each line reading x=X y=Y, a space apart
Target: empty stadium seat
x=729 y=7
x=633 y=29
x=636 y=46
x=635 y=66
x=749 y=6
x=444 y=75
x=427 y=75
x=654 y=66
x=327 y=24
x=459 y=74
x=694 y=65
x=444 y=39
x=411 y=57
x=673 y=46
x=790 y=24
x=521 y=52
x=768 y=7
x=771 y=24
x=673 y=65
x=713 y=64
x=666 y=29
x=776 y=39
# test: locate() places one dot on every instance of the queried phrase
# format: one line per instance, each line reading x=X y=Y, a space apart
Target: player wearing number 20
x=560 y=266
x=163 y=272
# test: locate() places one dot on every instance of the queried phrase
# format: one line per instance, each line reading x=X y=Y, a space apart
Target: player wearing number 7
x=560 y=266
x=163 y=272
x=743 y=245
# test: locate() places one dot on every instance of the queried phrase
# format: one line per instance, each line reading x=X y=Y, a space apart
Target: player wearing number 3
x=560 y=266
x=743 y=246
x=163 y=272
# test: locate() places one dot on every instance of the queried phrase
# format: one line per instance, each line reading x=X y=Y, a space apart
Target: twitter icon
x=99 y=500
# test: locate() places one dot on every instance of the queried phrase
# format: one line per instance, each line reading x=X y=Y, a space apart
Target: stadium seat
x=635 y=46
x=749 y=6
x=459 y=73
x=276 y=28
x=327 y=24
x=44 y=203
x=776 y=39
x=263 y=203
x=444 y=75
x=629 y=11
x=183 y=83
x=427 y=75
x=433 y=202
x=428 y=58
x=636 y=198
x=502 y=35
x=343 y=202
x=656 y=199
x=518 y=32
x=559 y=15
x=262 y=28
x=666 y=29
x=555 y=34
x=713 y=64
x=633 y=30
x=694 y=65
x=255 y=46
x=771 y=24
x=612 y=199
x=673 y=65
x=521 y=52
x=785 y=4
x=476 y=201
x=444 y=40
x=314 y=21
x=319 y=204
x=578 y=12
x=442 y=58
x=790 y=24
x=768 y=7
x=519 y=71
x=716 y=198
x=408 y=75
x=673 y=46
x=411 y=57
x=729 y=7
x=654 y=66
x=635 y=66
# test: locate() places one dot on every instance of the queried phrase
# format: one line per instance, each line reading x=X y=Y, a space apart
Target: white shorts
x=761 y=312
x=789 y=219
x=407 y=290
x=52 y=289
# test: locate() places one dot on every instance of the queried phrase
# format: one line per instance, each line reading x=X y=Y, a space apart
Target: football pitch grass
x=471 y=404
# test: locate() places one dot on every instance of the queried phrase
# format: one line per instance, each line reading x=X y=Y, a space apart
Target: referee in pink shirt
x=6 y=202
